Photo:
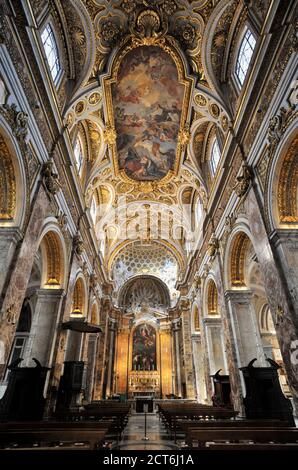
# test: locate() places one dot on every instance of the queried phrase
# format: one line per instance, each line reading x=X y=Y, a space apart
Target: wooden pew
x=116 y=414
x=171 y=414
x=241 y=423
x=25 y=438
x=201 y=436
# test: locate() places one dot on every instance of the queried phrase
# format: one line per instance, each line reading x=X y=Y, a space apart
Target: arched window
x=244 y=56
x=215 y=156
x=78 y=153
x=51 y=51
x=199 y=212
x=93 y=209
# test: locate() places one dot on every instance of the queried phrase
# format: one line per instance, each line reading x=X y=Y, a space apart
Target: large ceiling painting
x=147 y=101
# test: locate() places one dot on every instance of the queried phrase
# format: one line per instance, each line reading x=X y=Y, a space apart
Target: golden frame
x=167 y=44
x=152 y=374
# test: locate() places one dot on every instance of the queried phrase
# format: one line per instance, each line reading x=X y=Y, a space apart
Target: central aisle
x=134 y=432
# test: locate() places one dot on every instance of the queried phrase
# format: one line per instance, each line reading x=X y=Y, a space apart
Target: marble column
x=215 y=346
x=166 y=360
x=44 y=325
x=199 y=368
x=122 y=358
x=187 y=354
x=111 y=355
x=9 y=238
x=61 y=342
x=176 y=326
x=91 y=361
x=245 y=328
x=99 y=364
x=230 y=346
x=279 y=301
x=285 y=244
x=20 y=275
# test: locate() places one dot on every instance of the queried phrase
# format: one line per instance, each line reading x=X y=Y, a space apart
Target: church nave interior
x=148 y=224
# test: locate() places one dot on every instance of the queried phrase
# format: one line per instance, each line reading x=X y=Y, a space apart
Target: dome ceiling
x=154 y=259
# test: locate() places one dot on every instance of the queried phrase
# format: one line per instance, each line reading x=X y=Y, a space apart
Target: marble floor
x=133 y=435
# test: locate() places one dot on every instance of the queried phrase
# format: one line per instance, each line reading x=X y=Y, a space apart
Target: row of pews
x=215 y=428
x=93 y=427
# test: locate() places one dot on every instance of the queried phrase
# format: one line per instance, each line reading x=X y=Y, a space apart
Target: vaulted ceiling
x=147 y=90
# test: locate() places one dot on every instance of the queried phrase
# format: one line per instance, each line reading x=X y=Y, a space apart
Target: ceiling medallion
x=147 y=96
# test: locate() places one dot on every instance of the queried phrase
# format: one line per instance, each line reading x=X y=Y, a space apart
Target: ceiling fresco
x=147 y=100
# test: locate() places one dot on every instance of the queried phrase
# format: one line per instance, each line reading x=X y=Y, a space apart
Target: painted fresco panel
x=147 y=102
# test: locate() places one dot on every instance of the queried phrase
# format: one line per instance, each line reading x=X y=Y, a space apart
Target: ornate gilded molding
x=50 y=177
x=197 y=282
x=213 y=245
x=7 y=183
x=147 y=31
x=54 y=260
x=287 y=185
x=278 y=125
x=93 y=281
x=212 y=298
x=78 y=245
x=243 y=180
x=18 y=120
x=185 y=304
x=237 y=260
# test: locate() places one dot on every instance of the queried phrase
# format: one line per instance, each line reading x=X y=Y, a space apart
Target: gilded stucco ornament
x=7 y=183
x=78 y=244
x=197 y=281
x=110 y=32
x=277 y=126
x=110 y=135
x=62 y=221
x=50 y=178
x=213 y=245
x=279 y=315
x=184 y=137
x=93 y=281
x=185 y=304
x=243 y=180
x=18 y=121
x=10 y=315
x=206 y=270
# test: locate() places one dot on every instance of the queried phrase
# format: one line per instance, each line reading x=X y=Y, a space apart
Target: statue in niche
x=144 y=348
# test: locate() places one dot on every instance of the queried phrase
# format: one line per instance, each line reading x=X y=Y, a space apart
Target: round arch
x=79 y=298
x=54 y=258
x=13 y=190
x=211 y=304
x=195 y=316
x=282 y=194
x=161 y=286
x=236 y=249
x=94 y=315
